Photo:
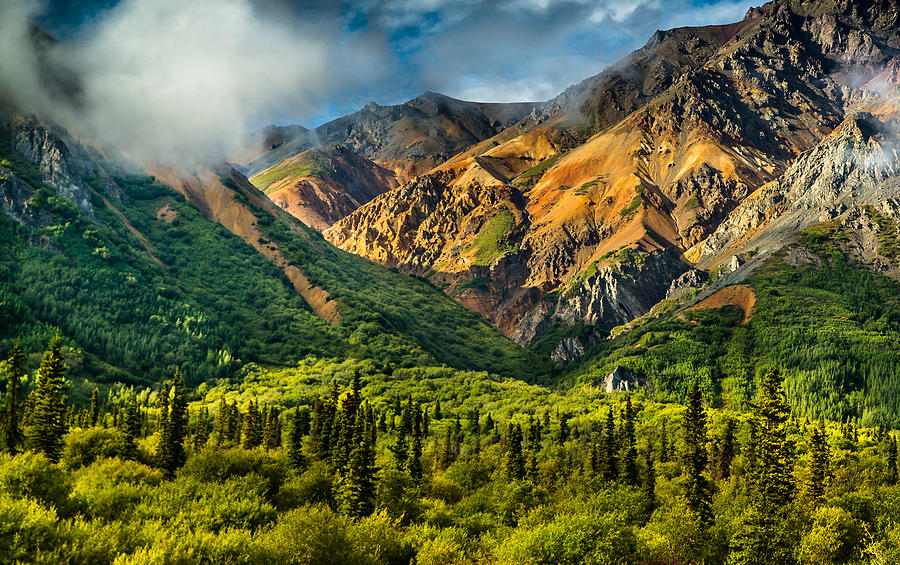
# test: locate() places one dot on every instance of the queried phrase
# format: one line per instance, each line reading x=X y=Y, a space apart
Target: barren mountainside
x=700 y=139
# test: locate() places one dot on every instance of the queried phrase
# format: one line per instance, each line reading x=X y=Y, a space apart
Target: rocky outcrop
x=858 y=164
x=617 y=293
x=691 y=279
x=621 y=380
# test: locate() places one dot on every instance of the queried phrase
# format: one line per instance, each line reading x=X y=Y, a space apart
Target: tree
x=358 y=486
x=11 y=436
x=819 y=463
x=725 y=455
x=131 y=425
x=271 y=431
x=250 y=433
x=629 y=452
x=95 y=406
x=697 y=488
x=515 y=459
x=295 y=442
x=892 y=460
x=48 y=424
x=174 y=427
x=761 y=536
x=609 y=457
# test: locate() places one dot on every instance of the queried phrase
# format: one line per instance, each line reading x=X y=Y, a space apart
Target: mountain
x=408 y=138
x=696 y=144
x=320 y=186
x=194 y=267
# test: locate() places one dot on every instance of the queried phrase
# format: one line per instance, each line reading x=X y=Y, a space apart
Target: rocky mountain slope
x=194 y=267
x=408 y=138
x=697 y=138
x=321 y=186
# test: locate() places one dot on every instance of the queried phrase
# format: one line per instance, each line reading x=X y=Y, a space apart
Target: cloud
x=168 y=80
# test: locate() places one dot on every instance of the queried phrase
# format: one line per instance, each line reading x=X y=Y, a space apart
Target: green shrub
x=84 y=446
x=29 y=475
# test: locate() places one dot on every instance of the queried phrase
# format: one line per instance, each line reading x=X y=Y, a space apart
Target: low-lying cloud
x=169 y=80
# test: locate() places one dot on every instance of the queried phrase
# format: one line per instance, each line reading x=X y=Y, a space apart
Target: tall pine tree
x=48 y=421
x=11 y=436
x=697 y=487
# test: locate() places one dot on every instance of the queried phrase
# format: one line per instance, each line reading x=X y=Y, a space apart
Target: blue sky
x=497 y=51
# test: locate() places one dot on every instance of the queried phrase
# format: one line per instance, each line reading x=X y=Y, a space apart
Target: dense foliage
x=833 y=326
x=339 y=462
x=172 y=288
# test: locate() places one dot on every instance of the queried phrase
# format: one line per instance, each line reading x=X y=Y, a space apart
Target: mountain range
x=539 y=240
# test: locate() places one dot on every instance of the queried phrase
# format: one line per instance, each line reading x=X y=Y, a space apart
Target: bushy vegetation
x=214 y=303
x=338 y=462
x=833 y=326
x=492 y=242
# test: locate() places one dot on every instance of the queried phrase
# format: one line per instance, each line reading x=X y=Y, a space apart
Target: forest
x=346 y=462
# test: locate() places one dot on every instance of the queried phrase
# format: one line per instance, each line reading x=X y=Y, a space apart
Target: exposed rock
x=622 y=380
x=691 y=279
x=614 y=295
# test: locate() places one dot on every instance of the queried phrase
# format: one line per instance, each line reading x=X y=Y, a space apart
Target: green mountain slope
x=151 y=282
x=832 y=324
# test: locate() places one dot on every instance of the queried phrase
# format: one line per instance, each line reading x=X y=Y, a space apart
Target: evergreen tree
x=437 y=409
x=649 y=486
x=295 y=442
x=446 y=456
x=131 y=425
x=488 y=424
x=270 y=429
x=515 y=459
x=629 y=451
x=201 y=431
x=174 y=422
x=697 y=488
x=414 y=462
x=819 y=463
x=725 y=454
x=48 y=423
x=761 y=537
x=892 y=460
x=609 y=454
x=358 y=486
x=250 y=435
x=11 y=413
x=95 y=406
x=563 y=435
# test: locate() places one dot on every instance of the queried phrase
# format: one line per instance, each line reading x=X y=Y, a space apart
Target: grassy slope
x=834 y=327
x=217 y=303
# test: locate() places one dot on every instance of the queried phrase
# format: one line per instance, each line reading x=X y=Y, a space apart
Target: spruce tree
x=892 y=460
x=295 y=442
x=629 y=450
x=250 y=437
x=131 y=426
x=11 y=436
x=761 y=536
x=697 y=487
x=610 y=449
x=48 y=423
x=819 y=464
x=95 y=406
x=515 y=459
x=725 y=454
x=563 y=434
x=437 y=409
x=174 y=427
x=358 y=486
x=269 y=439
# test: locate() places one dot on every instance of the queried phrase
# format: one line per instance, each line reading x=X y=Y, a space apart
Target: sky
x=386 y=51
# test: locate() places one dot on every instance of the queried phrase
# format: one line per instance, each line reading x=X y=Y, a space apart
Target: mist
x=176 y=81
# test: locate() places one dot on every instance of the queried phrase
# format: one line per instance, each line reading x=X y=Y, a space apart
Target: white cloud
x=169 y=79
